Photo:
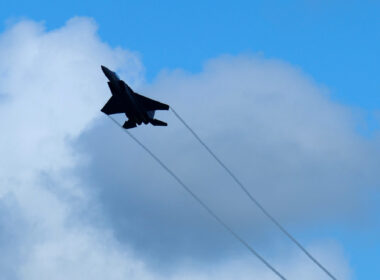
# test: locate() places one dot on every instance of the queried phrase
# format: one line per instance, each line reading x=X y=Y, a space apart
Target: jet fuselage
x=120 y=90
x=138 y=108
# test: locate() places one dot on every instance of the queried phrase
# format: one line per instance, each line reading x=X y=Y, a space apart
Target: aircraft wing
x=150 y=104
x=113 y=106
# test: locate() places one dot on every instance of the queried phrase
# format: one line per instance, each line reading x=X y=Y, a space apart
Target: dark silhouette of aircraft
x=138 y=109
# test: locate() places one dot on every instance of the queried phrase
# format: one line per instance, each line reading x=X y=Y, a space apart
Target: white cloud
x=297 y=151
x=280 y=132
x=294 y=267
x=52 y=88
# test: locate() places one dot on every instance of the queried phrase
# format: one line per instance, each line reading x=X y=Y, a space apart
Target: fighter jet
x=138 y=109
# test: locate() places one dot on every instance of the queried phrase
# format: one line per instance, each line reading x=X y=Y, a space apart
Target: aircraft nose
x=109 y=74
x=104 y=69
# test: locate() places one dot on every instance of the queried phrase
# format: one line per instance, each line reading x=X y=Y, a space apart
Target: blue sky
x=335 y=43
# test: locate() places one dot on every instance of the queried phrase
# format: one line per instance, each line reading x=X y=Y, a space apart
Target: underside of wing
x=150 y=104
x=113 y=106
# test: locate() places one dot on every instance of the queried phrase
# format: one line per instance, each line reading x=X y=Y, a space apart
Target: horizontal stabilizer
x=129 y=124
x=156 y=122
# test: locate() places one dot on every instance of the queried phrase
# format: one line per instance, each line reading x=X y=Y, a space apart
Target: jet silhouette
x=138 y=109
